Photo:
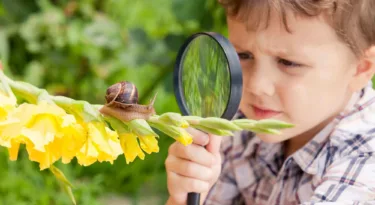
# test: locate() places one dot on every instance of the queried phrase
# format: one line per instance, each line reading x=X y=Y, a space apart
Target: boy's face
x=300 y=77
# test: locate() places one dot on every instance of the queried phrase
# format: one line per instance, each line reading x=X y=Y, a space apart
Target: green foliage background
x=79 y=48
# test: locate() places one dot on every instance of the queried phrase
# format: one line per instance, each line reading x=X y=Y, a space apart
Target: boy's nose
x=259 y=83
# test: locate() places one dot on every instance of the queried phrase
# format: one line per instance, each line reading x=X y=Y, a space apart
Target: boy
x=306 y=62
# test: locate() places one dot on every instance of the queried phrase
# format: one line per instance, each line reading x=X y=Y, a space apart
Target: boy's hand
x=193 y=168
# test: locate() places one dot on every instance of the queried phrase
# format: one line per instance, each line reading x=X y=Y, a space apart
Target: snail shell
x=122 y=103
x=122 y=92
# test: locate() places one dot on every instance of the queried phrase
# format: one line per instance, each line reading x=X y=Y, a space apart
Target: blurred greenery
x=79 y=48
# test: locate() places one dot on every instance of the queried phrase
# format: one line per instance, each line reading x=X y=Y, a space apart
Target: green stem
x=81 y=109
x=24 y=90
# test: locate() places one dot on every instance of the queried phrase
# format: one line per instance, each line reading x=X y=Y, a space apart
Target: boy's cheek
x=310 y=109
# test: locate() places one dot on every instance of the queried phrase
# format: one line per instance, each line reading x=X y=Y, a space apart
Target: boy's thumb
x=213 y=145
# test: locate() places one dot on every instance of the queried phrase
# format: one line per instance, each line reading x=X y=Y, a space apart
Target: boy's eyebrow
x=238 y=47
x=275 y=52
x=282 y=53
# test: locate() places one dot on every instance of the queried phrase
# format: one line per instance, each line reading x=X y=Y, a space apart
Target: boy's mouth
x=263 y=113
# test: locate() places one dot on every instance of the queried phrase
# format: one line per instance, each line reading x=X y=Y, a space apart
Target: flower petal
x=130 y=147
x=149 y=144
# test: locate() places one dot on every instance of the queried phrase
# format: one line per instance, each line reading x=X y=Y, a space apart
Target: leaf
x=67 y=186
x=60 y=175
x=69 y=191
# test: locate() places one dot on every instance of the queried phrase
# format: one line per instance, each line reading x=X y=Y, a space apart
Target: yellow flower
x=10 y=130
x=13 y=144
x=102 y=144
x=149 y=144
x=130 y=147
x=74 y=138
x=47 y=130
x=7 y=104
x=146 y=135
x=10 y=136
x=184 y=137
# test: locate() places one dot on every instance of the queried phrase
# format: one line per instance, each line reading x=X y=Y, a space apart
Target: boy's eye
x=244 y=56
x=289 y=63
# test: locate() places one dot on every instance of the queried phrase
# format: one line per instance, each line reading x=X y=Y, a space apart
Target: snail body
x=122 y=103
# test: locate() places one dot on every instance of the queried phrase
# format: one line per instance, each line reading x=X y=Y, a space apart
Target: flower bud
x=213 y=131
x=173 y=119
x=141 y=128
x=273 y=124
x=177 y=133
x=266 y=131
x=245 y=124
x=219 y=123
x=192 y=119
x=149 y=144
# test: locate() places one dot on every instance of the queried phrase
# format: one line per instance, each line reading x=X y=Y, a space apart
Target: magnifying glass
x=207 y=80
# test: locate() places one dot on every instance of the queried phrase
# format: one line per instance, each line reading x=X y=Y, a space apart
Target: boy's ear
x=365 y=70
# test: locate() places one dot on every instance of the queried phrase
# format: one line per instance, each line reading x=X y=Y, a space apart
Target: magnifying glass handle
x=193 y=198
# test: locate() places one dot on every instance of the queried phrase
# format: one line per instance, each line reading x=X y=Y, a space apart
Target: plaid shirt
x=336 y=167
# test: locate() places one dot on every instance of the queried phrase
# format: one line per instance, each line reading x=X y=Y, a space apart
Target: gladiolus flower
x=7 y=104
x=102 y=144
x=46 y=129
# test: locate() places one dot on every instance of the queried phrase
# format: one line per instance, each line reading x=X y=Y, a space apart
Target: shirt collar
x=307 y=157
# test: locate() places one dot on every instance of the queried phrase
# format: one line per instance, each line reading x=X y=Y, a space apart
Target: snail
x=122 y=103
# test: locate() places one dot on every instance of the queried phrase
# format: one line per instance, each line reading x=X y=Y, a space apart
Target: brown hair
x=353 y=20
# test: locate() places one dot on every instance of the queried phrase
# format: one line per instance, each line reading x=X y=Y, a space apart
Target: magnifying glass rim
x=235 y=71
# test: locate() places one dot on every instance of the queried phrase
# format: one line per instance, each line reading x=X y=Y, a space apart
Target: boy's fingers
x=188 y=168
x=183 y=185
x=192 y=152
x=1 y=66
x=177 y=200
x=214 y=144
x=199 y=137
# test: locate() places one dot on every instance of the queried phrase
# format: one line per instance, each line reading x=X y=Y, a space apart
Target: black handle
x=193 y=198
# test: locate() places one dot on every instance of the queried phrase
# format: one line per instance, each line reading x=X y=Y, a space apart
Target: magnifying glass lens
x=205 y=77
